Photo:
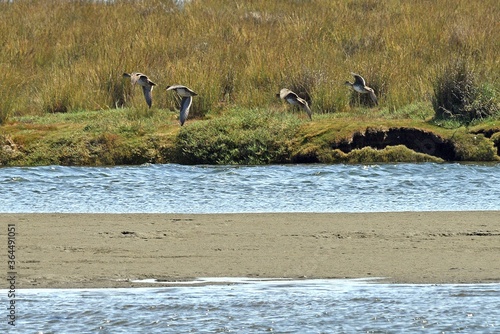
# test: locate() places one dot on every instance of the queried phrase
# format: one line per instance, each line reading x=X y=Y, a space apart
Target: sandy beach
x=112 y=250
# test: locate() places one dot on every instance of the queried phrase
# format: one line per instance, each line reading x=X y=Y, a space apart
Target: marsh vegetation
x=433 y=65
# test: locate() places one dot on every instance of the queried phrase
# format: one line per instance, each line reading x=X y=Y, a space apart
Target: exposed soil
x=418 y=140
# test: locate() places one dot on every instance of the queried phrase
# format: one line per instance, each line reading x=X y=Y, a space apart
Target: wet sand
x=112 y=250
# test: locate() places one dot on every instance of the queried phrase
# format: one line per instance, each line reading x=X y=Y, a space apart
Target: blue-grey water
x=309 y=306
x=278 y=188
x=249 y=306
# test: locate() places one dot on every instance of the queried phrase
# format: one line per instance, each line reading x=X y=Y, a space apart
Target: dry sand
x=110 y=250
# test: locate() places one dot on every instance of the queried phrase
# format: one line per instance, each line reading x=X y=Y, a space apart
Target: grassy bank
x=63 y=99
x=242 y=136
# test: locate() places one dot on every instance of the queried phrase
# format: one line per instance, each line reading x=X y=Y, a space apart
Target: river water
x=308 y=306
x=242 y=305
x=228 y=189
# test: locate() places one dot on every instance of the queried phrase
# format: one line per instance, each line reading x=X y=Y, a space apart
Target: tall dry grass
x=59 y=56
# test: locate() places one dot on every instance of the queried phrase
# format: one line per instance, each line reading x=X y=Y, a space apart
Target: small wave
x=175 y=188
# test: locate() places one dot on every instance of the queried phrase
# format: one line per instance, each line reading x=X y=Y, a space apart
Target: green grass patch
x=242 y=136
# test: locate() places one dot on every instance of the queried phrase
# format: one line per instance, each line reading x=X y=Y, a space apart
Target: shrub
x=458 y=96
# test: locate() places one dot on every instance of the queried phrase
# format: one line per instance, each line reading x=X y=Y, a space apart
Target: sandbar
x=59 y=250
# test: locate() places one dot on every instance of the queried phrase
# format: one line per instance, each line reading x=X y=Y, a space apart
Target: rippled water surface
x=246 y=306
x=308 y=306
x=279 y=188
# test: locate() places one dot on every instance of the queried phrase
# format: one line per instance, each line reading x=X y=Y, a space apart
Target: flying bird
x=143 y=81
x=292 y=98
x=360 y=86
x=186 y=95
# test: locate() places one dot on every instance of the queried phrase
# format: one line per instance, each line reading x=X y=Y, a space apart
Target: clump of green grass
x=459 y=97
x=474 y=147
x=119 y=136
x=496 y=141
x=399 y=153
x=243 y=136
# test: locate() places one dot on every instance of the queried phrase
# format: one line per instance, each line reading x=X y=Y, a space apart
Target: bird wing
x=144 y=80
x=175 y=87
x=183 y=91
x=358 y=79
x=190 y=91
x=303 y=103
x=373 y=96
x=148 y=94
x=185 y=105
x=291 y=95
